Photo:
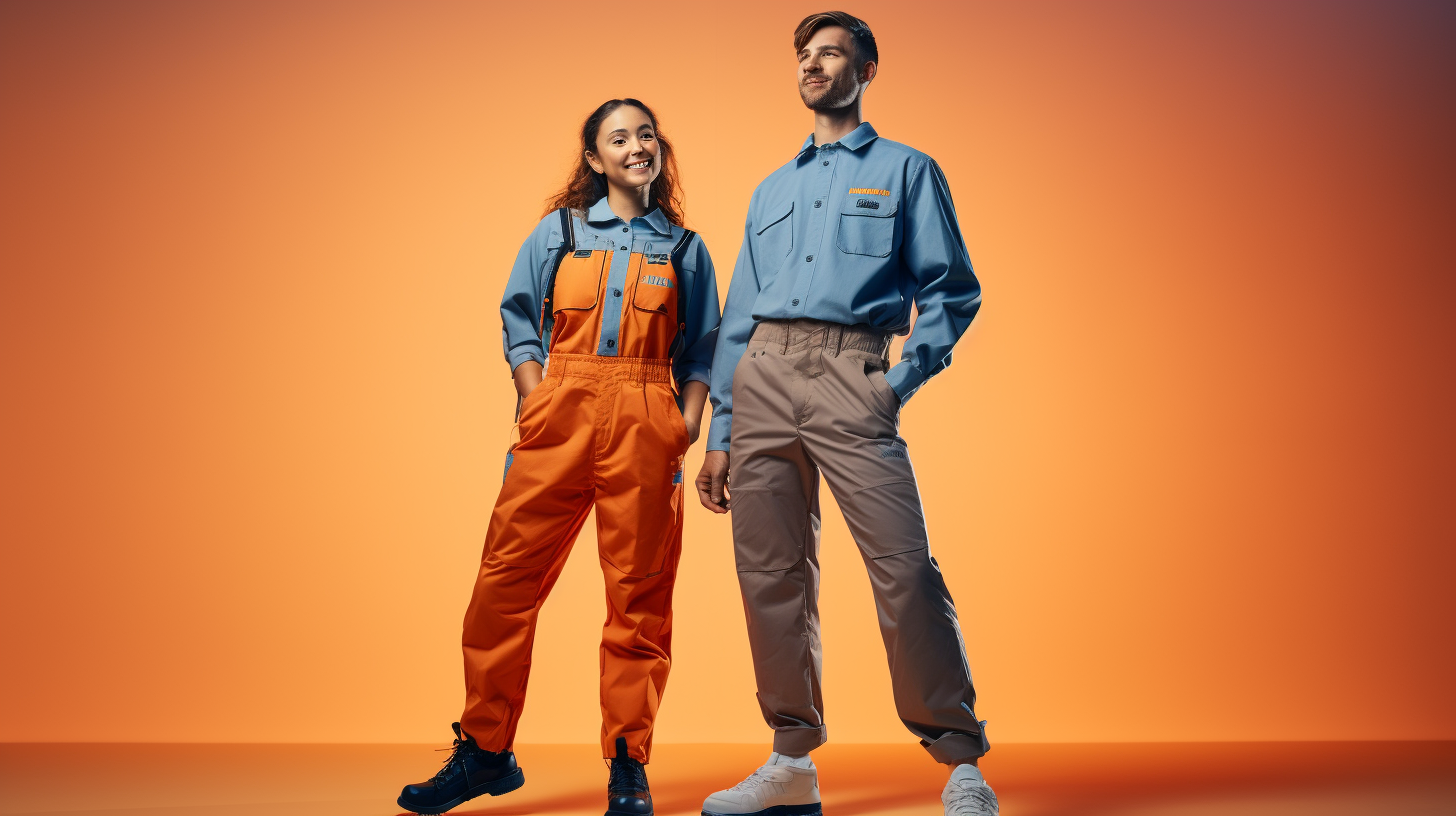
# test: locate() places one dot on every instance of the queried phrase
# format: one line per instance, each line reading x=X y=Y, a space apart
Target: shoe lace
x=755 y=779
x=627 y=777
x=455 y=763
x=976 y=800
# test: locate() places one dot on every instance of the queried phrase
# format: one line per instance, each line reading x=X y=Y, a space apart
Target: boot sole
x=495 y=787
x=812 y=809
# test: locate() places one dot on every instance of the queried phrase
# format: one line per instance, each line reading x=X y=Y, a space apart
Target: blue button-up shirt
x=604 y=230
x=850 y=232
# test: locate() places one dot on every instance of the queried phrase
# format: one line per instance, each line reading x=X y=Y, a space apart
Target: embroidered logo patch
x=867 y=204
x=656 y=280
x=867 y=191
x=657 y=258
x=582 y=253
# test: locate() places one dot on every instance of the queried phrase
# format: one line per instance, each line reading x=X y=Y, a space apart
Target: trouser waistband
x=803 y=333
x=597 y=367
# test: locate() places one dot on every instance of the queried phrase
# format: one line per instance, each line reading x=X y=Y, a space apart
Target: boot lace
x=627 y=777
x=455 y=763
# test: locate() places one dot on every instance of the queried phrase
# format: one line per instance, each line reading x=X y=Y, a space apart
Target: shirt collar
x=601 y=213
x=854 y=140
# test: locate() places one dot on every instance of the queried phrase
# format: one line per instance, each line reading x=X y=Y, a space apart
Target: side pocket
x=880 y=391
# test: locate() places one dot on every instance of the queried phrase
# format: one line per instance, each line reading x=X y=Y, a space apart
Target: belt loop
x=785 y=329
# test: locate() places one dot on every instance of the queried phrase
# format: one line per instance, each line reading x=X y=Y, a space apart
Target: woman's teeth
x=639 y=165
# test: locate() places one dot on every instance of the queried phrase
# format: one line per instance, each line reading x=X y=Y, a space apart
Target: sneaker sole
x=813 y=809
x=495 y=787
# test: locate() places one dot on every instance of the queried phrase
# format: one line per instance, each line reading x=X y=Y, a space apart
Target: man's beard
x=840 y=93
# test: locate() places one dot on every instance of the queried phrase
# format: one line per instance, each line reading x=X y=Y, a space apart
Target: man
x=838 y=243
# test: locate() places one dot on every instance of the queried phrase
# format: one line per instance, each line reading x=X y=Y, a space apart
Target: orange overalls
x=603 y=431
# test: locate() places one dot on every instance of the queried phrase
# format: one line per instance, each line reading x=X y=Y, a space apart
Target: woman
x=622 y=301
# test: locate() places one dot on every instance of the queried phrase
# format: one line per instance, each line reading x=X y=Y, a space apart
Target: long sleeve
x=947 y=292
x=732 y=340
x=696 y=360
x=521 y=305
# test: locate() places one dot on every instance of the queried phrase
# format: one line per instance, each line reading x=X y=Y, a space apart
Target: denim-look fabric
x=851 y=232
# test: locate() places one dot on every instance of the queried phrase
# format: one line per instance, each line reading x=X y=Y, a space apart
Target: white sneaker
x=784 y=786
x=967 y=794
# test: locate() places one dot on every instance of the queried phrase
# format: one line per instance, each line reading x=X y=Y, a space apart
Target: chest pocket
x=774 y=233
x=656 y=285
x=867 y=225
x=579 y=279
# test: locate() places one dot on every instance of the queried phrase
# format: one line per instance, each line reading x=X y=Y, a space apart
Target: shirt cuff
x=905 y=379
x=693 y=372
x=524 y=354
x=718 y=432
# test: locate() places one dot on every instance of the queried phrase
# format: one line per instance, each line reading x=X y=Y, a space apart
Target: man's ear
x=591 y=159
x=868 y=72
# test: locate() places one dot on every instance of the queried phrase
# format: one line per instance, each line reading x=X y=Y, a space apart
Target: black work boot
x=469 y=772
x=627 y=792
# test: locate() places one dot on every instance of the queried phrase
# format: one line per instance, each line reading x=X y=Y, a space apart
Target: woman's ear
x=591 y=159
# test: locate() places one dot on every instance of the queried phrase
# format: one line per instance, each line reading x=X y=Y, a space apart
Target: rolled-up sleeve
x=521 y=306
x=947 y=292
x=733 y=340
x=695 y=363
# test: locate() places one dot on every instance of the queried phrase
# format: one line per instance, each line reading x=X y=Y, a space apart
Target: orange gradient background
x=1191 y=476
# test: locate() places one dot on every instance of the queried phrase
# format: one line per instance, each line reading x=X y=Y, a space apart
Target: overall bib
x=603 y=431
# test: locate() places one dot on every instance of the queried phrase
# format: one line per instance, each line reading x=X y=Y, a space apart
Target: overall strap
x=680 y=249
x=568 y=246
x=548 y=314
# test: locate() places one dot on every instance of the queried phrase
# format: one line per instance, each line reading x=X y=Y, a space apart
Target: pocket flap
x=773 y=215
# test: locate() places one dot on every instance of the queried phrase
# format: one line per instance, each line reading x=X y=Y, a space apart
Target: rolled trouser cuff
x=799 y=740
x=957 y=749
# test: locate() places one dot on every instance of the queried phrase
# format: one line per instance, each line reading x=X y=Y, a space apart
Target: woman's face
x=627 y=150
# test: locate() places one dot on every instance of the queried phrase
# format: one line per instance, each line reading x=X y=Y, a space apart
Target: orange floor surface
x=1178 y=779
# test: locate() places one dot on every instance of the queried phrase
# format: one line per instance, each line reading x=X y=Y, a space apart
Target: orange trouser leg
x=547 y=494
x=639 y=531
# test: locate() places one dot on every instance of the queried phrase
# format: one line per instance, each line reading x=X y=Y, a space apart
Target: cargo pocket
x=867 y=231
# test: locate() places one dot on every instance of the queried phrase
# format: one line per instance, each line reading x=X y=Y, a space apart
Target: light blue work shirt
x=604 y=230
x=850 y=232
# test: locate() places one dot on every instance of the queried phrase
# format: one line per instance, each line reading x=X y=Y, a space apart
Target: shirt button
x=611 y=344
x=623 y=247
x=817 y=203
x=809 y=258
x=624 y=229
x=826 y=163
x=616 y=293
x=796 y=302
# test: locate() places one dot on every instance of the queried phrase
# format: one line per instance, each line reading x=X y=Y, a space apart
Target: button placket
x=616 y=282
x=815 y=224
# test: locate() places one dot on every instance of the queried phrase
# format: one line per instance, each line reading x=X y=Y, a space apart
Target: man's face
x=830 y=75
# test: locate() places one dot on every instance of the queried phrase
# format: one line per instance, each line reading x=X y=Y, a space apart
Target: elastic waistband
x=595 y=367
x=803 y=332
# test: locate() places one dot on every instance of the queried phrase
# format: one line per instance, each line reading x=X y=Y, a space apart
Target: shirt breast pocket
x=867 y=226
x=774 y=236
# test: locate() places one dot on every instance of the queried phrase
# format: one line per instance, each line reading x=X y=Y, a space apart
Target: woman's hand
x=693 y=429
x=527 y=376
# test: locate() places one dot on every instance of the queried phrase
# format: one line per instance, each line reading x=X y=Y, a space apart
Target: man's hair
x=859 y=32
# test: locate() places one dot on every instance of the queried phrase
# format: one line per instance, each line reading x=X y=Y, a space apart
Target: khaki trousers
x=810 y=396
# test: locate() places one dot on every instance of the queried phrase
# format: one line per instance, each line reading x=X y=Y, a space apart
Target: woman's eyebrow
x=615 y=132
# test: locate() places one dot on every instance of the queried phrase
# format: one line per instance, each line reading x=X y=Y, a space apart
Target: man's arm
x=947 y=292
x=733 y=333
